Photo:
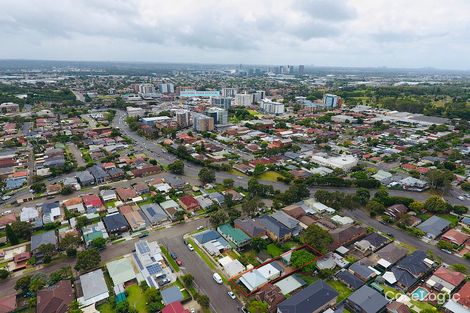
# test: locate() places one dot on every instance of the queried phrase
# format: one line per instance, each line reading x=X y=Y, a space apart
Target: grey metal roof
x=154 y=213
x=171 y=294
x=309 y=299
x=434 y=225
x=93 y=284
x=410 y=269
x=43 y=239
x=368 y=299
x=350 y=279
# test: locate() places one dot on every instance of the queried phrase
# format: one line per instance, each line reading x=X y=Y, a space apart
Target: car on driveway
x=231 y=295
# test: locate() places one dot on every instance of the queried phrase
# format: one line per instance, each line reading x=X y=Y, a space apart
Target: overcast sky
x=393 y=33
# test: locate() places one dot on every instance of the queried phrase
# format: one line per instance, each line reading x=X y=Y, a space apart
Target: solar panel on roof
x=154 y=269
x=143 y=247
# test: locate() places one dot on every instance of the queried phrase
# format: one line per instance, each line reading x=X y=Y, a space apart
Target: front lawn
x=106 y=308
x=451 y=218
x=342 y=289
x=170 y=260
x=270 y=176
x=136 y=298
x=274 y=250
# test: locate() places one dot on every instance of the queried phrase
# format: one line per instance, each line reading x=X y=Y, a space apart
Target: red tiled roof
x=7 y=219
x=452 y=277
x=92 y=201
x=189 y=202
x=464 y=293
x=455 y=236
x=175 y=307
x=55 y=298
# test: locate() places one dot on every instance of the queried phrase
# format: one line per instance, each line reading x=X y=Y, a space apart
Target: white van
x=217 y=278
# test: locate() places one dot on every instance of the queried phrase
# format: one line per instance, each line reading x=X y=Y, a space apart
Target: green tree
x=23 y=283
x=374 y=207
x=436 y=204
x=187 y=280
x=206 y=175
x=258 y=307
x=301 y=258
x=362 y=196
x=38 y=187
x=87 y=259
x=228 y=182
x=74 y=307
x=4 y=273
x=217 y=218
x=98 y=243
x=416 y=206
x=48 y=250
x=203 y=301
x=317 y=237
x=259 y=244
x=11 y=235
x=177 y=167
x=446 y=245
x=22 y=230
x=439 y=179
x=250 y=206
x=259 y=169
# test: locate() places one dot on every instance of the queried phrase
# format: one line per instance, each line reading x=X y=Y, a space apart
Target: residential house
x=85 y=178
x=170 y=207
x=390 y=254
x=92 y=203
x=121 y=272
x=462 y=304
x=371 y=242
x=274 y=229
x=126 y=194
x=51 y=212
x=174 y=307
x=154 y=213
x=346 y=234
x=93 y=231
x=314 y=299
x=250 y=227
x=350 y=279
x=7 y=219
x=410 y=269
x=294 y=211
x=40 y=239
x=289 y=222
x=366 y=300
x=188 y=203
x=397 y=307
x=115 y=224
x=93 y=287
x=362 y=271
x=445 y=280
x=133 y=217
x=270 y=294
x=146 y=170
x=141 y=188
x=74 y=204
x=456 y=237
x=434 y=226
x=55 y=298
x=108 y=195
x=396 y=211
x=99 y=174
x=234 y=235
x=217 y=197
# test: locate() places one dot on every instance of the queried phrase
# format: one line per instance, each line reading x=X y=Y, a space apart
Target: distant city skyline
x=337 y=33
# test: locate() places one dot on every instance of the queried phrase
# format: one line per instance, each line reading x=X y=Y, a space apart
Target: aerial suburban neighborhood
x=257 y=189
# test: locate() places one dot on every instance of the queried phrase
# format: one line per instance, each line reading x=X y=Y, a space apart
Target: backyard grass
x=136 y=298
x=451 y=218
x=270 y=176
x=309 y=279
x=249 y=257
x=424 y=306
x=274 y=250
x=342 y=289
x=170 y=260
x=106 y=308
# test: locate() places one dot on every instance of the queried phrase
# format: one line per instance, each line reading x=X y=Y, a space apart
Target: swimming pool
x=419 y=293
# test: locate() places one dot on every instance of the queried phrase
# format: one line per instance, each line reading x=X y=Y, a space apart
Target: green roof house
x=234 y=235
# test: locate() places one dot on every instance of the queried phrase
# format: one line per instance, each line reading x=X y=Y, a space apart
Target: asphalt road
x=404 y=237
x=193 y=264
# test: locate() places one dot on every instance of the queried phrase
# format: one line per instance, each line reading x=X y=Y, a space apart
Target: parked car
x=200 y=227
x=217 y=278
x=179 y=262
x=143 y=235
x=190 y=247
x=163 y=282
x=173 y=255
x=231 y=295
